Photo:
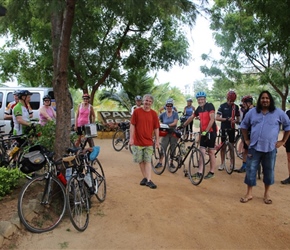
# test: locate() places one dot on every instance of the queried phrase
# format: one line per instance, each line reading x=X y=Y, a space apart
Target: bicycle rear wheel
x=195 y=172
x=42 y=204
x=239 y=147
x=99 y=178
x=78 y=203
x=173 y=158
x=157 y=156
x=229 y=157
x=118 y=140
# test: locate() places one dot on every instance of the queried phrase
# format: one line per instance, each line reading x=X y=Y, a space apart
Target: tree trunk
x=62 y=22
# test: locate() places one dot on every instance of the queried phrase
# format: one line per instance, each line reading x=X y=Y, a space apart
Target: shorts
x=208 y=142
x=80 y=130
x=142 y=153
x=231 y=134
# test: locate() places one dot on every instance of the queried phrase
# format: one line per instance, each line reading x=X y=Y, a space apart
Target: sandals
x=245 y=199
x=267 y=201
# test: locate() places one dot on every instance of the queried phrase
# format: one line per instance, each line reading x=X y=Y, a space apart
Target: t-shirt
x=20 y=110
x=145 y=122
x=225 y=111
x=204 y=116
x=168 y=120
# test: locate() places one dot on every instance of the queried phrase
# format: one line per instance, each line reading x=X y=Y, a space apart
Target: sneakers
x=143 y=182
x=209 y=175
x=286 y=181
x=197 y=175
x=151 y=184
x=171 y=165
x=242 y=170
x=221 y=167
x=158 y=165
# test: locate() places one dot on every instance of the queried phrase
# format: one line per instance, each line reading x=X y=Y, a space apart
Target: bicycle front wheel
x=173 y=158
x=119 y=140
x=99 y=178
x=229 y=157
x=196 y=166
x=78 y=203
x=42 y=204
x=158 y=160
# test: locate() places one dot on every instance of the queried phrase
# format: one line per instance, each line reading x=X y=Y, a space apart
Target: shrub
x=9 y=179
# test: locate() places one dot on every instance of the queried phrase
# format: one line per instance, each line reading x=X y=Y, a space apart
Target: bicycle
x=177 y=155
x=88 y=179
x=42 y=200
x=121 y=137
x=12 y=157
x=229 y=152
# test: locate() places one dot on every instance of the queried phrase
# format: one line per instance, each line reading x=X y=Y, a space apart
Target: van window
x=10 y=98
x=1 y=99
x=35 y=100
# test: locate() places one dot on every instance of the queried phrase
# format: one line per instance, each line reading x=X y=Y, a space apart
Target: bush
x=9 y=179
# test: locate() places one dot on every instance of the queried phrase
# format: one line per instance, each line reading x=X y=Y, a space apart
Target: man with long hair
x=265 y=121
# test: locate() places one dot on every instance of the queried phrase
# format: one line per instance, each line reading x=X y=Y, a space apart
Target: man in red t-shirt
x=143 y=122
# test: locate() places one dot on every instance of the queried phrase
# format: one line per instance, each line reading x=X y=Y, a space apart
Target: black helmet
x=138 y=98
x=46 y=97
x=23 y=93
x=16 y=92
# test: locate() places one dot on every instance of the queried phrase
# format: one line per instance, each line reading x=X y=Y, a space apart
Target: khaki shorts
x=142 y=154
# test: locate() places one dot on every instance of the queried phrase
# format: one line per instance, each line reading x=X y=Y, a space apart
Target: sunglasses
x=47 y=100
x=169 y=106
x=85 y=98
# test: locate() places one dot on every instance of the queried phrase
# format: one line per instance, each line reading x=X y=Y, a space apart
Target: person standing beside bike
x=206 y=113
x=170 y=118
x=138 y=103
x=46 y=112
x=248 y=104
x=85 y=115
x=144 y=122
x=21 y=114
x=187 y=112
x=265 y=121
x=229 y=115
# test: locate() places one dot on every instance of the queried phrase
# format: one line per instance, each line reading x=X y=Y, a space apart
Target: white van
x=6 y=96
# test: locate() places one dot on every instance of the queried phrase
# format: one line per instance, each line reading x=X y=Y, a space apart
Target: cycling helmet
x=200 y=94
x=16 y=92
x=86 y=96
x=247 y=98
x=46 y=97
x=169 y=101
x=231 y=96
x=189 y=100
x=138 y=98
x=24 y=93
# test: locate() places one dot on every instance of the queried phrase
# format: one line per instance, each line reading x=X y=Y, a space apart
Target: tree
x=250 y=48
x=110 y=38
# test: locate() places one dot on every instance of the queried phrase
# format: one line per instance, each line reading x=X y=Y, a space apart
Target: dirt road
x=177 y=215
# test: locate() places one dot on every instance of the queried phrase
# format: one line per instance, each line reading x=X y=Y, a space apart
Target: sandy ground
x=177 y=215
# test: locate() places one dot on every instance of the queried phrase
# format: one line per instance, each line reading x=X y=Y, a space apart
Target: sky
x=201 y=41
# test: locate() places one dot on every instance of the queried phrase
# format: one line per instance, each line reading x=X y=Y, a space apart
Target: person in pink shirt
x=85 y=115
x=46 y=112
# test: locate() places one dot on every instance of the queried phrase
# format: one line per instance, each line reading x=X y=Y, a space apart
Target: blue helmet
x=200 y=94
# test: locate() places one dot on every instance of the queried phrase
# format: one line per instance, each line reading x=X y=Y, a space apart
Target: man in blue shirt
x=265 y=121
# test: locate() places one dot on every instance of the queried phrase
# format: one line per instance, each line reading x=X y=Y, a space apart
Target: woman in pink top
x=46 y=112
x=85 y=115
